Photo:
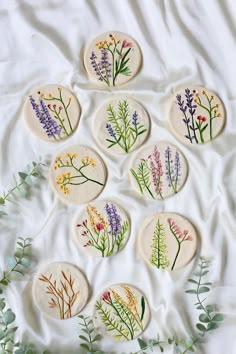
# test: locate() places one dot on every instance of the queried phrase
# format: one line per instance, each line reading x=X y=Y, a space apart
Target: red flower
x=60 y=108
x=54 y=106
x=84 y=223
x=106 y=296
x=126 y=44
x=49 y=106
x=78 y=225
x=203 y=119
x=100 y=226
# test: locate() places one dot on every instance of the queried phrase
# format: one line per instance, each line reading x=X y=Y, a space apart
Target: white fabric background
x=183 y=42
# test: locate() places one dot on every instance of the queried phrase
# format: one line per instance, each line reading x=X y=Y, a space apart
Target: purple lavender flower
x=110 y=130
x=104 y=64
x=180 y=103
x=49 y=124
x=135 y=119
x=114 y=219
x=156 y=170
x=192 y=110
x=173 y=169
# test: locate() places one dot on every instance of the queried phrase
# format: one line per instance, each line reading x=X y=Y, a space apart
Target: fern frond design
x=123 y=126
x=111 y=323
x=159 y=247
x=143 y=177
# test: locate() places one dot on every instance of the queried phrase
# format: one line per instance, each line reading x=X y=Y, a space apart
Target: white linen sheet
x=183 y=42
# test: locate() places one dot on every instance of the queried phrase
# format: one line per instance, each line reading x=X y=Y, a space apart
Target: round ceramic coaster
x=121 y=125
x=122 y=311
x=60 y=290
x=167 y=241
x=77 y=174
x=196 y=115
x=159 y=171
x=52 y=112
x=102 y=229
x=112 y=58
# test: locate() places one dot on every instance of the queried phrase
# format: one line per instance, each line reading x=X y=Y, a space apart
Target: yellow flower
x=75 y=156
x=219 y=115
x=95 y=217
x=197 y=94
x=204 y=92
x=42 y=95
x=50 y=95
x=132 y=300
x=59 y=88
x=68 y=154
x=217 y=105
x=58 y=158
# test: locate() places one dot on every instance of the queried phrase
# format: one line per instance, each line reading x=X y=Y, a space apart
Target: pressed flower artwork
x=196 y=115
x=77 y=174
x=112 y=58
x=60 y=290
x=122 y=311
x=159 y=171
x=102 y=229
x=52 y=112
x=121 y=125
x=167 y=241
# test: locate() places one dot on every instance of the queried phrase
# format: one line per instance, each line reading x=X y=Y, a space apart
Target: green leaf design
x=159 y=247
x=201 y=328
x=218 y=317
x=143 y=178
x=142 y=307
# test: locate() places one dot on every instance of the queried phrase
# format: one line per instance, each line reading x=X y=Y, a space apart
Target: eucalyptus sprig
x=21 y=184
x=149 y=345
x=18 y=262
x=7 y=318
x=90 y=338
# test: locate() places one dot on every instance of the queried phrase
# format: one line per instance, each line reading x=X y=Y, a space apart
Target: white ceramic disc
x=51 y=112
x=159 y=171
x=196 y=115
x=77 y=174
x=167 y=241
x=122 y=312
x=60 y=290
x=102 y=229
x=112 y=58
x=121 y=125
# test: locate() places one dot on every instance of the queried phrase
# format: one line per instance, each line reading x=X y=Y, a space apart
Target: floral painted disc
x=102 y=229
x=121 y=125
x=52 y=112
x=77 y=174
x=159 y=171
x=112 y=58
x=60 y=290
x=167 y=241
x=197 y=115
x=122 y=311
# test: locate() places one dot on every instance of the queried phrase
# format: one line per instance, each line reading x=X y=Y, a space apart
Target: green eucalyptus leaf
x=23 y=175
x=218 y=317
x=212 y=326
x=142 y=343
x=4 y=282
x=3 y=213
x=204 y=318
x=85 y=346
x=97 y=337
x=84 y=338
x=11 y=330
x=200 y=327
x=2 y=201
x=2 y=334
x=191 y=291
x=210 y=308
x=28 y=180
x=25 y=262
x=11 y=262
x=203 y=289
x=192 y=281
x=8 y=317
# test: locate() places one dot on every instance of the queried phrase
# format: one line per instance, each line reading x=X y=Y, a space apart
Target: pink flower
x=170 y=220
x=126 y=44
x=100 y=226
x=106 y=296
x=189 y=238
x=54 y=106
x=185 y=232
x=60 y=108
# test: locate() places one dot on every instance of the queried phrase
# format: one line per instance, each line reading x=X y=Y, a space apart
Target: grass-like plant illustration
x=122 y=316
x=150 y=175
x=159 y=247
x=54 y=117
x=196 y=124
x=114 y=60
x=106 y=233
x=179 y=235
x=123 y=126
x=63 y=294
x=76 y=175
